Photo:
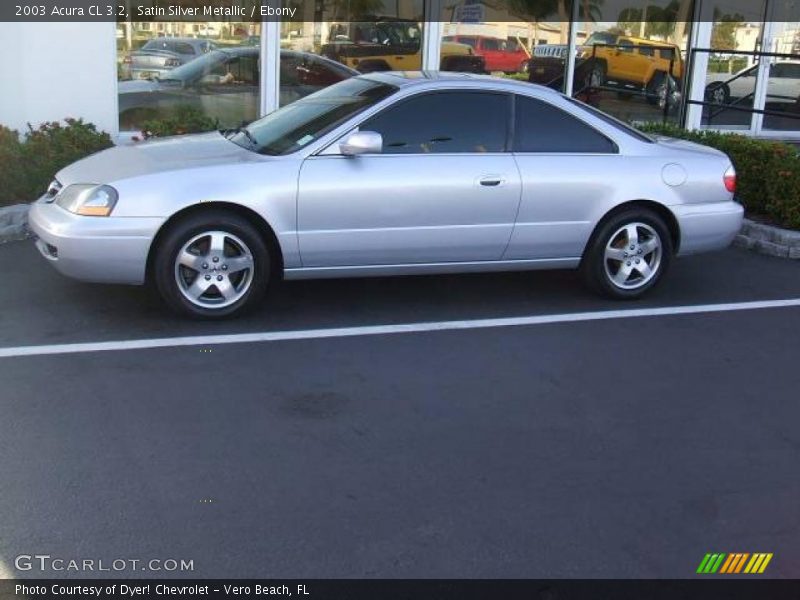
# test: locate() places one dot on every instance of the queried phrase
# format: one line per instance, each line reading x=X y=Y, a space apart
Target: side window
x=625 y=46
x=490 y=44
x=646 y=51
x=444 y=122
x=542 y=127
x=667 y=53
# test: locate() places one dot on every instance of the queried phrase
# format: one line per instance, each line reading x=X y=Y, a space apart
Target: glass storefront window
x=632 y=57
x=164 y=67
x=491 y=38
x=345 y=40
x=732 y=73
x=783 y=86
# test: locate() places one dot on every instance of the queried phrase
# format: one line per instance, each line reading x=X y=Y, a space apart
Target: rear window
x=616 y=123
x=183 y=48
x=544 y=128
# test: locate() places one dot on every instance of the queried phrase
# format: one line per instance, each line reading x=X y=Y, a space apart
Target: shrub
x=28 y=165
x=768 y=173
x=12 y=178
x=52 y=146
x=178 y=121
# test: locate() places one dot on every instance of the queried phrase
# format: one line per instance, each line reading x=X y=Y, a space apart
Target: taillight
x=729 y=179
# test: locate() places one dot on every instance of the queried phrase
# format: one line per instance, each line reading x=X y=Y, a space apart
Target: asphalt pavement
x=613 y=448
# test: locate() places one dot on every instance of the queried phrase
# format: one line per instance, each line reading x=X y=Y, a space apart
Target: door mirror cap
x=362 y=142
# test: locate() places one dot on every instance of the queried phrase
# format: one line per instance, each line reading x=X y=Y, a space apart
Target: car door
x=621 y=65
x=444 y=188
x=568 y=170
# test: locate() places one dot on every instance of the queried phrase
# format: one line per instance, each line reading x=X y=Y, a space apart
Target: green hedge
x=28 y=164
x=768 y=173
x=178 y=121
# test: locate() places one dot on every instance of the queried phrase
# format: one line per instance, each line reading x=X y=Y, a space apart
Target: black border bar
x=711 y=587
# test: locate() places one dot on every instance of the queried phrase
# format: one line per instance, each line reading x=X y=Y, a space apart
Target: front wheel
x=628 y=255
x=211 y=264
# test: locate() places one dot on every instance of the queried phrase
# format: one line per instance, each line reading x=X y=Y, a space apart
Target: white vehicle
x=783 y=86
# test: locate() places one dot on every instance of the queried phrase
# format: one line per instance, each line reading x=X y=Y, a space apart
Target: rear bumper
x=707 y=227
x=99 y=249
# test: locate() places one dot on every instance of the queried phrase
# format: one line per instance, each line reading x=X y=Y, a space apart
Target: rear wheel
x=628 y=255
x=212 y=264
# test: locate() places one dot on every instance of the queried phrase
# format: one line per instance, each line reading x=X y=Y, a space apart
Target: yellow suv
x=633 y=64
x=389 y=44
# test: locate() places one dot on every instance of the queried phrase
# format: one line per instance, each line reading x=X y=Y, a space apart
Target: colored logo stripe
x=710 y=563
x=734 y=563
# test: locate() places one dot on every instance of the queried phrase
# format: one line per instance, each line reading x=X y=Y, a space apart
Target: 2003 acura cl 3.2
x=390 y=173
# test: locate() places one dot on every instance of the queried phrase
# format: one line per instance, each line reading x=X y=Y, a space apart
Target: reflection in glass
x=166 y=67
x=731 y=76
x=783 y=85
x=511 y=38
x=632 y=56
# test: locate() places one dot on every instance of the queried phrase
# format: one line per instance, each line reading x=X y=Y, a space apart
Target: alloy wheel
x=632 y=256
x=214 y=269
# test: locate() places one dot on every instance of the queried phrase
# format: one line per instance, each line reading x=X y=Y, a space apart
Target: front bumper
x=99 y=249
x=707 y=227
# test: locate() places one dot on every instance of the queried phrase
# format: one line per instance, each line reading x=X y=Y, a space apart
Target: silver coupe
x=387 y=174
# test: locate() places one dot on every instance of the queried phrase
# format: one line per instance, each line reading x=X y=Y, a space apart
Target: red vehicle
x=508 y=56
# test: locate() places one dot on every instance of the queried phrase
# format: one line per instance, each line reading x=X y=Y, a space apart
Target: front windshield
x=298 y=124
x=600 y=38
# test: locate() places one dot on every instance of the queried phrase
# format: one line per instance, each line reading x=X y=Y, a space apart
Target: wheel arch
x=264 y=228
x=660 y=209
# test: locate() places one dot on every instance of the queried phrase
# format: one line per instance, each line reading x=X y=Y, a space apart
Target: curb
x=14 y=223
x=769 y=240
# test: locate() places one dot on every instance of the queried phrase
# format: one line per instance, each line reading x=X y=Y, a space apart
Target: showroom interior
x=730 y=65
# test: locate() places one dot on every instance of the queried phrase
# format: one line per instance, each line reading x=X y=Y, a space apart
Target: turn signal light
x=730 y=180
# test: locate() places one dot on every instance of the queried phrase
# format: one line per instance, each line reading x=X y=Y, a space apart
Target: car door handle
x=492 y=181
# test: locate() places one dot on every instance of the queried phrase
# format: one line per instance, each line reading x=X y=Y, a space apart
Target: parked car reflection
x=783 y=86
x=224 y=84
x=160 y=55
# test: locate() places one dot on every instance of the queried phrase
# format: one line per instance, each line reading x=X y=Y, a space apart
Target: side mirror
x=362 y=142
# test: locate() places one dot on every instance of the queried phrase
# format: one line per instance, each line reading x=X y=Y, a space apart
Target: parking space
x=619 y=448
x=42 y=307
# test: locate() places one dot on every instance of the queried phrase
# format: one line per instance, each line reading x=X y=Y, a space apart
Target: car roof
x=445 y=79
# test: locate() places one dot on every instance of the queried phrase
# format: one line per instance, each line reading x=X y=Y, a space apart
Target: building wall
x=55 y=70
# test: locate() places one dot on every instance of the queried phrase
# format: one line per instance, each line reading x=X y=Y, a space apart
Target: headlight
x=88 y=199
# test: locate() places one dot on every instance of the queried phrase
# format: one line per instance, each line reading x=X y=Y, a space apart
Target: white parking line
x=343 y=332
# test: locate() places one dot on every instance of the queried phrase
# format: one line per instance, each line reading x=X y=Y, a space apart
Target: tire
x=657 y=86
x=524 y=66
x=609 y=257
x=214 y=242
x=718 y=93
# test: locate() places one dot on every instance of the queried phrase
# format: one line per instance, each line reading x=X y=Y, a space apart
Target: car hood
x=168 y=154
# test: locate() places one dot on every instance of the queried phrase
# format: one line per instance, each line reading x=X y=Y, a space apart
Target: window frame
x=614 y=145
x=509 y=129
